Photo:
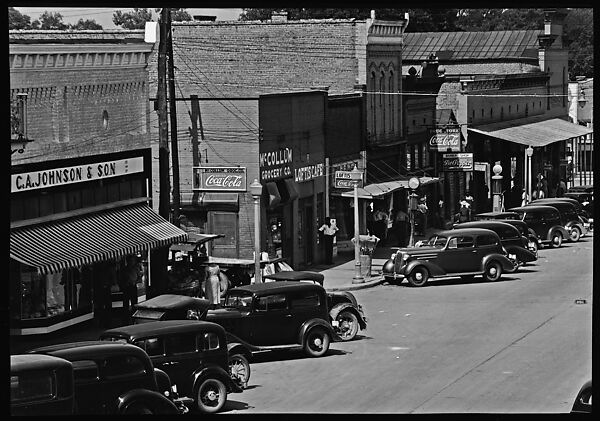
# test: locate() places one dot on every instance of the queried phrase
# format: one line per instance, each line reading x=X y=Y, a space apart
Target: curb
x=362 y=285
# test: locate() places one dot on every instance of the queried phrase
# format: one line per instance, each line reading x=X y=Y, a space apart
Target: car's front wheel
x=347 y=327
x=418 y=276
x=212 y=395
x=575 y=234
x=239 y=369
x=316 y=342
x=493 y=271
x=556 y=239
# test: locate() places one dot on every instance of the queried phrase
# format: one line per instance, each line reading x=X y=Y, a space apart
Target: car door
x=179 y=359
x=306 y=305
x=536 y=222
x=88 y=390
x=460 y=255
x=273 y=322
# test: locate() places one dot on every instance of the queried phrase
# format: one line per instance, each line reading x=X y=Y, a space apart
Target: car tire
x=535 y=248
x=239 y=369
x=418 y=276
x=347 y=325
x=316 y=342
x=211 y=396
x=556 y=240
x=575 y=234
x=493 y=271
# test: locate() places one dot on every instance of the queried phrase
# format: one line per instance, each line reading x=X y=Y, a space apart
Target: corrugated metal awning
x=378 y=190
x=540 y=133
x=86 y=239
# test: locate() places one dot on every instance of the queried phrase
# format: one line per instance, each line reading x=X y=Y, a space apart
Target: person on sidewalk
x=400 y=228
x=328 y=230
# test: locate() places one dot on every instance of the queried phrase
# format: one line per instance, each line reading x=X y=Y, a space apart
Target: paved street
x=522 y=345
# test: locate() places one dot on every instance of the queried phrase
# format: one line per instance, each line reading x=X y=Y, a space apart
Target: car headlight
x=393 y=257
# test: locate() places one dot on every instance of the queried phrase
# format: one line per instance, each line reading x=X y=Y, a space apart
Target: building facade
x=81 y=175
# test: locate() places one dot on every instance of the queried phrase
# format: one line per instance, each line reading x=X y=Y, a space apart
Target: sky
x=103 y=15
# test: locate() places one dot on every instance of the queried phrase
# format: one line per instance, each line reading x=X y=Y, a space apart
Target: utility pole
x=173 y=114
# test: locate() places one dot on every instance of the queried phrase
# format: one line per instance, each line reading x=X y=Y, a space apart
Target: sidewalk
x=339 y=276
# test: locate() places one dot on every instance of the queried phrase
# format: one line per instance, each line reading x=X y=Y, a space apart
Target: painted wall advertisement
x=275 y=165
x=219 y=179
x=457 y=161
x=445 y=139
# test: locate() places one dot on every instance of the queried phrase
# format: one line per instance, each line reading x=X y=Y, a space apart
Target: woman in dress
x=212 y=288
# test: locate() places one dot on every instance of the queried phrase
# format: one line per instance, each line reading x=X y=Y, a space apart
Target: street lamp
x=529 y=153
x=414 y=184
x=497 y=188
x=356 y=177
x=256 y=191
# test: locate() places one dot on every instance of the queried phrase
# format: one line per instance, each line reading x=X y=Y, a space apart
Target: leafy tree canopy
x=132 y=20
x=17 y=20
x=50 y=21
x=86 y=24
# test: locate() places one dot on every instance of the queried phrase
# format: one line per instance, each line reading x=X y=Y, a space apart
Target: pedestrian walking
x=129 y=280
x=561 y=188
x=328 y=229
x=400 y=227
x=380 y=224
x=464 y=213
x=212 y=285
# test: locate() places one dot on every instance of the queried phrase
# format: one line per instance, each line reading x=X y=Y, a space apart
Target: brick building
x=80 y=177
x=228 y=65
x=507 y=91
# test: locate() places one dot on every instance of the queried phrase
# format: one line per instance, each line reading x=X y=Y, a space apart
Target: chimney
x=553 y=25
x=280 y=16
x=430 y=67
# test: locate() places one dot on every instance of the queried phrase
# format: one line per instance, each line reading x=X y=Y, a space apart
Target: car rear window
x=180 y=344
x=271 y=302
x=152 y=346
x=208 y=341
x=122 y=366
x=85 y=371
x=311 y=300
x=32 y=386
x=486 y=240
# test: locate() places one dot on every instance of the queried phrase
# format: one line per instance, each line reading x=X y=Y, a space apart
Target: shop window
x=74 y=199
x=33 y=294
x=113 y=192
x=16 y=210
x=60 y=202
x=509 y=109
x=125 y=190
x=225 y=223
x=274 y=237
x=87 y=198
x=32 y=208
x=101 y=195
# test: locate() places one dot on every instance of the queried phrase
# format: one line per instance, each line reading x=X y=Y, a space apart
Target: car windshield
x=437 y=241
x=241 y=300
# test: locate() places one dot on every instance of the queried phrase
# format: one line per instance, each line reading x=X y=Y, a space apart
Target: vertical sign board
x=457 y=161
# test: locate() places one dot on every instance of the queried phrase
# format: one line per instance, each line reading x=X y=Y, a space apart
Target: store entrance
x=309 y=234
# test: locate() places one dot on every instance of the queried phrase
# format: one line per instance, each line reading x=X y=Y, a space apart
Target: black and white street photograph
x=301 y=210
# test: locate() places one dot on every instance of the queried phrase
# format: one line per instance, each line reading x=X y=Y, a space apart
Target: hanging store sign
x=345 y=179
x=75 y=174
x=219 y=179
x=275 y=165
x=457 y=161
x=340 y=182
x=309 y=172
x=445 y=139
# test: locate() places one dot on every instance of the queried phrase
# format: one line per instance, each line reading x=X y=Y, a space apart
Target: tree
x=50 y=21
x=86 y=24
x=180 y=15
x=579 y=38
x=133 y=20
x=17 y=20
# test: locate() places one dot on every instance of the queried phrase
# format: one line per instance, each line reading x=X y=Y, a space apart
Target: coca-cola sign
x=445 y=139
x=219 y=179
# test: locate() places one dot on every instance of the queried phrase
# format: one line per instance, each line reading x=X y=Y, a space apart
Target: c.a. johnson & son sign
x=219 y=178
x=75 y=174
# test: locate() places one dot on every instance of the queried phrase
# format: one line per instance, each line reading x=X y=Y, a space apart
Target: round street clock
x=414 y=183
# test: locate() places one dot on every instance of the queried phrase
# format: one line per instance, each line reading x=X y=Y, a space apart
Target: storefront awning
x=536 y=134
x=378 y=190
x=110 y=234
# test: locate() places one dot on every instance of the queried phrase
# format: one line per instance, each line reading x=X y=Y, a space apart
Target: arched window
x=501 y=113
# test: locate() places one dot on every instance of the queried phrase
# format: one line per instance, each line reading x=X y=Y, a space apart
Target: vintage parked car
x=114 y=378
x=41 y=385
x=194 y=356
x=568 y=216
x=260 y=317
x=545 y=221
x=582 y=215
x=587 y=202
x=464 y=252
x=345 y=314
x=511 y=238
x=583 y=400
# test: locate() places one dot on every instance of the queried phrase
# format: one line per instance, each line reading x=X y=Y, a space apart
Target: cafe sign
x=309 y=172
x=219 y=179
x=445 y=139
x=75 y=174
x=457 y=161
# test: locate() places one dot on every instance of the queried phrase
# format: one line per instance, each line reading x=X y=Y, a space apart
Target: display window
x=274 y=235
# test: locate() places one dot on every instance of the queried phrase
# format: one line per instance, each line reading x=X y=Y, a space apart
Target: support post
x=256 y=191
x=173 y=118
x=358 y=278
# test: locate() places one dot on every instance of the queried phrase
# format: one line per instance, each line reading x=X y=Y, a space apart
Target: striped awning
x=85 y=239
x=379 y=190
